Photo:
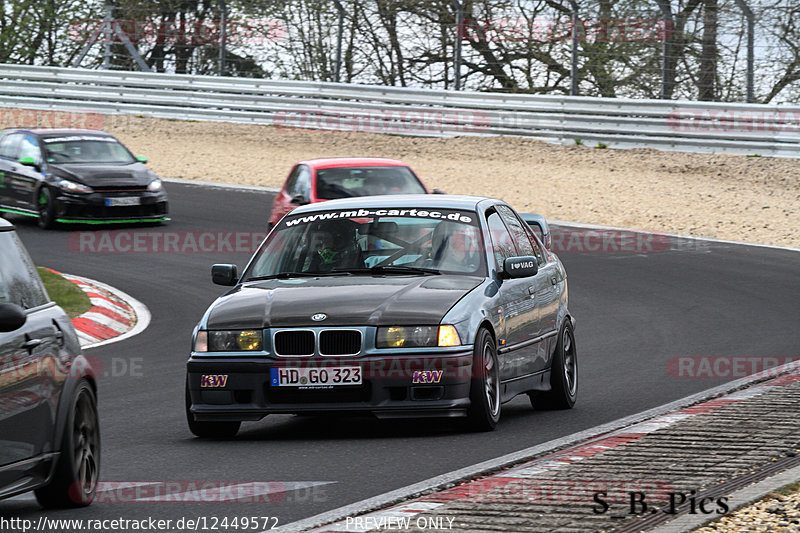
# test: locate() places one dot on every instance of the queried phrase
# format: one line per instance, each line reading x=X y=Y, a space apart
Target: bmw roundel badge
x=318 y=317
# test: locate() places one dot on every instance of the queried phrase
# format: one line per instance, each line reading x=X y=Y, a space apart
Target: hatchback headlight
x=417 y=336
x=154 y=185
x=247 y=340
x=71 y=186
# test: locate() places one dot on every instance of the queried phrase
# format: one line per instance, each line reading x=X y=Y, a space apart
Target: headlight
x=417 y=336
x=154 y=185
x=71 y=186
x=248 y=340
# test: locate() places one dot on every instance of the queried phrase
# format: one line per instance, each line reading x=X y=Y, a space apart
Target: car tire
x=77 y=472
x=484 y=391
x=46 y=208
x=563 y=374
x=209 y=430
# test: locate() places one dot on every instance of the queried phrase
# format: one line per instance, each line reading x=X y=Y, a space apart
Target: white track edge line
x=222 y=184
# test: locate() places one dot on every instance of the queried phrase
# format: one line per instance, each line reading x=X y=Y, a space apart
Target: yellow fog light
x=395 y=337
x=448 y=336
x=249 y=340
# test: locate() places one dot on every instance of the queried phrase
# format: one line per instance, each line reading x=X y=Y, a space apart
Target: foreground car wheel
x=563 y=376
x=484 y=392
x=47 y=209
x=209 y=430
x=75 y=479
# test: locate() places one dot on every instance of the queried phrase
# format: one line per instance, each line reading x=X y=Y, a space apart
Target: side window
x=29 y=147
x=9 y=144
x=522 y=237
x=502 y=243
x=292 y=181
x=303 y=185
x=19 y=282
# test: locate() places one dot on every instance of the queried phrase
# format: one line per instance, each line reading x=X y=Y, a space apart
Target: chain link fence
x=709 y=50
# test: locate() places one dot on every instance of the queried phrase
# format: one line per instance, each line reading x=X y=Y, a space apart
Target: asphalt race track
x=636 y=312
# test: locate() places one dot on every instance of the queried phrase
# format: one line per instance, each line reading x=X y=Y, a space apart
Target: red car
x=318 y=180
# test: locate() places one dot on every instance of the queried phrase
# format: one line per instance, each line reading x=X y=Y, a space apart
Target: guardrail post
x=751 y=23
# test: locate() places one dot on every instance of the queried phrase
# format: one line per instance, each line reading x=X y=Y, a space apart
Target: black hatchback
x=76 y=175
x=49 y=432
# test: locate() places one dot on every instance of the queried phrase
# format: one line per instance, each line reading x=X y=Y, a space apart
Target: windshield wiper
x=391 y=269
x=287 y=275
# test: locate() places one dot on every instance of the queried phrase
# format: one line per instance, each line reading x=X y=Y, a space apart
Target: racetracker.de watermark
x=210 y=491
x=565 y=240
x=48 y=118
x=238 y=31
x=164 y=242
x=547 y=30
x=726 y=366
x=725 y=120
x=386 y=121
x=18 y=368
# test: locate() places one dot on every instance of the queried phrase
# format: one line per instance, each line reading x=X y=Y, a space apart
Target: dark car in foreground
x=319 y=180
x=74 y=175
x=49 y=432
x=398 y=306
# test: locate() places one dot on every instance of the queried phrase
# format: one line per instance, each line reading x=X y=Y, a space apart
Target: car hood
x=347 y=301
x=102 y=176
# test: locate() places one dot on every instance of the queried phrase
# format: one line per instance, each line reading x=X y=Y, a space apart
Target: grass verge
x=65 y=293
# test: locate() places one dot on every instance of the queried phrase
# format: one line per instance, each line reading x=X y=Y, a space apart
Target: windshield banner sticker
x=441 y=214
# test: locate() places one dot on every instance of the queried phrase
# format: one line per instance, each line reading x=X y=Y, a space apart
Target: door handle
x=553 y=280
x=531 y=290
x=32 y=343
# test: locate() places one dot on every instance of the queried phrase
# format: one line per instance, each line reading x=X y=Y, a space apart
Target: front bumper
x=387 y=391
x=92 y=207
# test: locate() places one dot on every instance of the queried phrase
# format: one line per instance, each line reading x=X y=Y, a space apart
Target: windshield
x=344 y=182
x=86 y=149
x=381 y=241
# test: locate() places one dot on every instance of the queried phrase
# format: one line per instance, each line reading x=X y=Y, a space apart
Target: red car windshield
x=345 y=182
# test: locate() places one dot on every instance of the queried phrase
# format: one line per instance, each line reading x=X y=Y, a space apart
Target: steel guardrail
x=708 y=127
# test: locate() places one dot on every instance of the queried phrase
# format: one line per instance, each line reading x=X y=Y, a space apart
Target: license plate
x=315 y=377
x=116 y=202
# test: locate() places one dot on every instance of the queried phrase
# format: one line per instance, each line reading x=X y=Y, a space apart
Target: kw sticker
x=213 y=381
x=427 y=376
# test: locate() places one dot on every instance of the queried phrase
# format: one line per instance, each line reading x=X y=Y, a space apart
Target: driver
x=333 y=246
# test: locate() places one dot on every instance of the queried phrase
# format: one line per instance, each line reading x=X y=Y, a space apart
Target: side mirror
x=438 y=191
x=224 y=275
x=141 y=158
x=520 y=267
x=299 y=200
x=29 y=162
x=539 y=224
x=12 y=317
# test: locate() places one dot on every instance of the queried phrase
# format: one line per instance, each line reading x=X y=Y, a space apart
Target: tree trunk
x=706 y=80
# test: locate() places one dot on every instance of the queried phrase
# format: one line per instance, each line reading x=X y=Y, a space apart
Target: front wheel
x=75 y=479
x=484 y=391
x=209 y=430
x=46 y=208
x=563 y=374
